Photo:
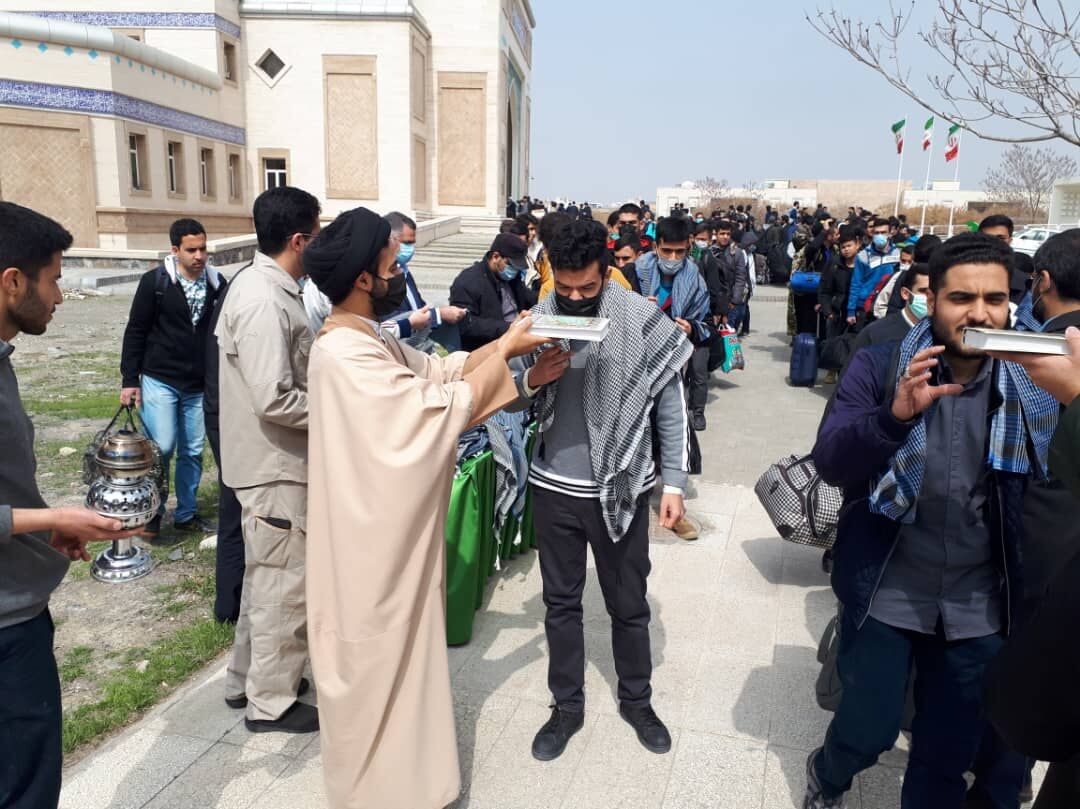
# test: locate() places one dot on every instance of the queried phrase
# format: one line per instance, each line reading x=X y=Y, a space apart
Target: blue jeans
x=737 y=315
x=874 y=664
x=174 y=419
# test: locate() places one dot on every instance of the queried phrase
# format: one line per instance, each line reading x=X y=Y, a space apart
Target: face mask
x=405 y=254
x=391 y=301
x=1036 y=301
x=701 y=245
x=670 y=266
x=583 y=307
x=881 y=241
x=905 y=266
x=510 y=273
x=919 y=306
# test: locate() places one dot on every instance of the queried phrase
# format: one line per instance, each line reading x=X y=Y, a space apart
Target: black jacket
x=160 y=339
x=477 y=289
x=834 y=287
x=716 y=281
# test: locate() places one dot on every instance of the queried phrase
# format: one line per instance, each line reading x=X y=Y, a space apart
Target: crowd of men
x=323 y=380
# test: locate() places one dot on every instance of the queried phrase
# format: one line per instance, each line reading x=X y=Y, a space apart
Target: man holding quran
x=593 y=471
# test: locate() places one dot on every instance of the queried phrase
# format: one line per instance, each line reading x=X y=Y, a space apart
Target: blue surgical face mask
x=919 y=305
x=881 y=241
x=670 y=266
x=510 y=273
x=405 y=254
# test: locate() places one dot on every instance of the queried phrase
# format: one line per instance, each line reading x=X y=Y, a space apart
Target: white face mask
x=701 y=245
x=905 y=265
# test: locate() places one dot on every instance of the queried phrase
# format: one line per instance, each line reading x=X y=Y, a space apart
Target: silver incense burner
x=125 y=485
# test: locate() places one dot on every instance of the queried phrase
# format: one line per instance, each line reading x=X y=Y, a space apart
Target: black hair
x=997 y=220
x=893 y=222
x=612 y=218
x=518 y=228
x=703 y=227
x=549 y=224
x=184 y=227
x=879 y=221
x=281 y=212
x=505 y=225
x=527 y=219
x=29 y=240
x=1060 y=256
x=925 y=247
x=968 y=248
x=907 y=247
x=399 y=221
x=673 y=229
x=848 y=233
x=908 y=280
x=739 y=208
x=725 y=224
x=630 y=208
x=576 y=245
x=816 y=228
x=628 y=240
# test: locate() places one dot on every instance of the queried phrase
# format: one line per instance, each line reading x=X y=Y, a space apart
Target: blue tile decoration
x=104 y=102
x=16 y=43
x=143 y=19
x=42 y=47
x=92 y=54
x=153 y=71
x=68 y=51
x=118 y=59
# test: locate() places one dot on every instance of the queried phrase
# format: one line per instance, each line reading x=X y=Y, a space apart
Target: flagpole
x=926 y=185
x=900 y=170
x=956 y=180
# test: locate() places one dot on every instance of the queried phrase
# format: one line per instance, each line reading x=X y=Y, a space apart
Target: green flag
x=898 y=132
x=952 y=145
x=927 y=133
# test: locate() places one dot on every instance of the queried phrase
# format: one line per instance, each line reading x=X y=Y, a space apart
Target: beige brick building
x=117 y=120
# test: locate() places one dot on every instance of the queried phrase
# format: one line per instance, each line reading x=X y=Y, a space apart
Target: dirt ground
x=70 y=383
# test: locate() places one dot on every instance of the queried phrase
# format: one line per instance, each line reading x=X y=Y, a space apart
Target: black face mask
x=584 y=307
x=392 y=299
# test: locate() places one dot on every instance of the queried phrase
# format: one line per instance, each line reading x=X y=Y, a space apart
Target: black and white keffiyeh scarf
x=624 y=373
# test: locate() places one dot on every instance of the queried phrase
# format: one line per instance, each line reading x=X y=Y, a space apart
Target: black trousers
x=697 y=379
x=565 y=526
x=229 y=572
x=31 y=751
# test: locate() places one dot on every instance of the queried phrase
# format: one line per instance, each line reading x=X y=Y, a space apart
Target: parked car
x=1031 y=238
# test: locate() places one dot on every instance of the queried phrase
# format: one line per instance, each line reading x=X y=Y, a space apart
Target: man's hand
x=914 y=393
x=817 y=307
x=1059 y=376
x=84 y=525
x=130 y=396
x=851 y=320
x=684 y=325
x=452 y=314
x=421 y=318
x=672 y=509
x=517 y=341
x=551 y=365
x=72 y=547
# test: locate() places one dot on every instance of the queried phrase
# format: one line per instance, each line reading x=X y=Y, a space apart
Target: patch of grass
x=75 y=404
x=128 y=693
x=75 y=663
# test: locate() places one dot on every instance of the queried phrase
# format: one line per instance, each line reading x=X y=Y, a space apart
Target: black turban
x=345 y=248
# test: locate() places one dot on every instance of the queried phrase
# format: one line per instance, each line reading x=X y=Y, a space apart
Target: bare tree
x=711 y=189
x=1006 y=61
x=754 y=190
x=1026 y=175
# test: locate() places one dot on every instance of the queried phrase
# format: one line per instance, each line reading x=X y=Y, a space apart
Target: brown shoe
x=830 y=378
x=684 y=529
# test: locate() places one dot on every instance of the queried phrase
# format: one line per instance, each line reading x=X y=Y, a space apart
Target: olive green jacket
x=1065 y=448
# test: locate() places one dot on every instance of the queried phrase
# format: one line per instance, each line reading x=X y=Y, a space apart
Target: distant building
x=116 y=122
x=1065 y=203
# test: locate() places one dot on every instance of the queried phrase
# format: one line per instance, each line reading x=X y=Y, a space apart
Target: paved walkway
x=736 y=620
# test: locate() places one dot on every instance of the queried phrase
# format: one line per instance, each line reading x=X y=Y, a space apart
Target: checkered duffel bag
x=802 y=506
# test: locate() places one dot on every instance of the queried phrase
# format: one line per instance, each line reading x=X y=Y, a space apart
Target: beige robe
x=385 y=421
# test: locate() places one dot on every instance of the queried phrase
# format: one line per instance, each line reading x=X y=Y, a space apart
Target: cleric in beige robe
x=384 y=425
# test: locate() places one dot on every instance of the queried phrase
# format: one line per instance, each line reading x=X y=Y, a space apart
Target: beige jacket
x=264 y=342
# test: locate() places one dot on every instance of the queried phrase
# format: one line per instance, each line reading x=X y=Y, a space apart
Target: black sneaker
x=651 y=732
x=241 y=701
x=152 y=528
x=698 y=420
x=300 y=718
x=553 y=737
x=196 y=525
x=814 y=799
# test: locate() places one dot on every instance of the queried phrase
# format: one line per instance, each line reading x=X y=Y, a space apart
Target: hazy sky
x=629 y=95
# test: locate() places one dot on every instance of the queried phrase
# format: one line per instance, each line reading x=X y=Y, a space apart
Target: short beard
x=954 y=345
x=31 y=316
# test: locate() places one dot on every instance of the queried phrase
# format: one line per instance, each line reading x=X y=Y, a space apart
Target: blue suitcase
x=804 y=361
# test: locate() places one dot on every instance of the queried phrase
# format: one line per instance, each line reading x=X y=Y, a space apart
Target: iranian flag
x=952 y=145
x=927 y=133
x=898 y=132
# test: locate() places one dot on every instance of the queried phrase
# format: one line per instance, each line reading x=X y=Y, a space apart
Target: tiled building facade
x=118 y=120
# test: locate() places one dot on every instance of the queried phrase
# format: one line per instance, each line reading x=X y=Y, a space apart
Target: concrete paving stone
x=130 y=771
x=679 y=616
x=509 y=658
x=731 y=696
x=224 y=777
x=715 y=772
x=803 y=615
x=514 y=779
x=458 y=656
x=299 y=786
x=744 y=627
x=284 y=744
x=616 y=772
x=749 y=579
x=879 y=787
x=795 y=721
x=715 y=498
x=693 y=570
x=202 y=713
x=785 y=780
x=480 y=719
